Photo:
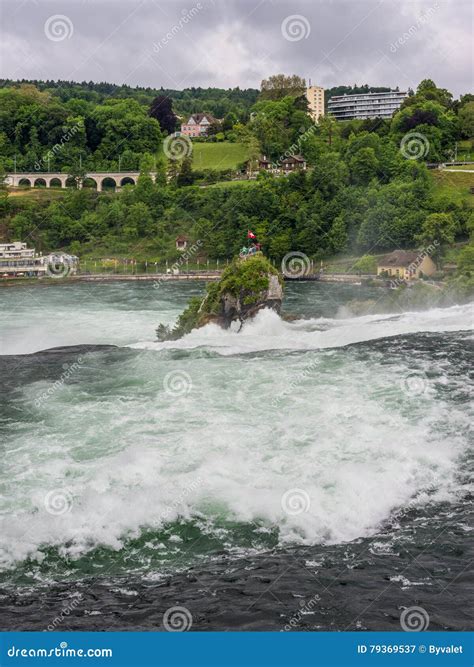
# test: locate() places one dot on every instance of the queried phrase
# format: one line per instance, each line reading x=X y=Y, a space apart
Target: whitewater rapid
x=311 y=430
x=268 y=331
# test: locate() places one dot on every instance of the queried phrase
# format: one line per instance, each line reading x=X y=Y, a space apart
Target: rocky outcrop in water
x=245 y=287
x=245 y=304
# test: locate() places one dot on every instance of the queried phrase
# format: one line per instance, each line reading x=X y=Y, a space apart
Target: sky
x=228 y=43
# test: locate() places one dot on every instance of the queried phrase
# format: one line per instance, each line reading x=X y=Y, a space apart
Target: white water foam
x=267 y=331
x=130 y=455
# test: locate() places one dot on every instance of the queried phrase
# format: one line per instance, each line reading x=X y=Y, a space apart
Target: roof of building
x=199 y=117
x=294 y=158
x=370 y=95
x=399 y=258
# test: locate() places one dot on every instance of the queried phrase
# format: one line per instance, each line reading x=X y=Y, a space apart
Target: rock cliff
x=245 y=287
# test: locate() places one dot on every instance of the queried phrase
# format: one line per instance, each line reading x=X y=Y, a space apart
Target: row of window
x=379 y=105
x=380 y=96
x=17 y=262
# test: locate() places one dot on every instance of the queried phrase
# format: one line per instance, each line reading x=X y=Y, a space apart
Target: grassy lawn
x=344 y=263
x=466 y=149
x=218 y=156
x=37 y=194
x=464 y=167
x=455 y=185
x=232 y=184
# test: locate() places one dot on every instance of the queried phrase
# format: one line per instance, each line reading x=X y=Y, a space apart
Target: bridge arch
x=55 y=183
x=25 y=182
x=127 y=180
x=90 y=183
x=108 y=183
x=39 y=183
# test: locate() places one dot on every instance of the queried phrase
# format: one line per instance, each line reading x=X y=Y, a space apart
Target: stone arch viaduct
x=115 y=180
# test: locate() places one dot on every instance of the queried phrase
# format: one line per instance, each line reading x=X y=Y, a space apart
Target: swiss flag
x=251 y=235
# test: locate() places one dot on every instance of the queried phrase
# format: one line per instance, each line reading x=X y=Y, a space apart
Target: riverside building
x=17 y=260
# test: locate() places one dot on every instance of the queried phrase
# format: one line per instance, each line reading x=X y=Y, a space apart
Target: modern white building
x=15 y=250
x=365 y=105
x=17 y=260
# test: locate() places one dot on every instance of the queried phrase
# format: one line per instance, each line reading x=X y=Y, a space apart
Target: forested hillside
x=367 y=188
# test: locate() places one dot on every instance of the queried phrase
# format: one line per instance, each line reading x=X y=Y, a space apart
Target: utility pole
x=14 y=162
x=120 y=159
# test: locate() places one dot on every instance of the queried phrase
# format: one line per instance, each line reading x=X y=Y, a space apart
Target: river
x=315 y=468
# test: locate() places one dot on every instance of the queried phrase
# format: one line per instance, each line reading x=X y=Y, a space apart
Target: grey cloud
x=228 y=43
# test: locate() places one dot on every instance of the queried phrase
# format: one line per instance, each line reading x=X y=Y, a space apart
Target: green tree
x=75 y=248
x=428 y=91
x=328 y=130
x=229 y=121
x=438 y=229
x=161 y=109
x=329 y=175
x=466 y=260
x=185 y=175
x=278 y=86
x=78 y=173
x=363 y=166
x=138 y=220
x=280 y=244
x=366 y=264
x=338 y=235
x=147 y=163
x=466 y=120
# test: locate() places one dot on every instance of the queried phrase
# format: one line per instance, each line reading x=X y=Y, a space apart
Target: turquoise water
x=147 y=457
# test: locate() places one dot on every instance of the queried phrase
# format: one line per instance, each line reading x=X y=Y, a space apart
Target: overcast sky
x=227 y=43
